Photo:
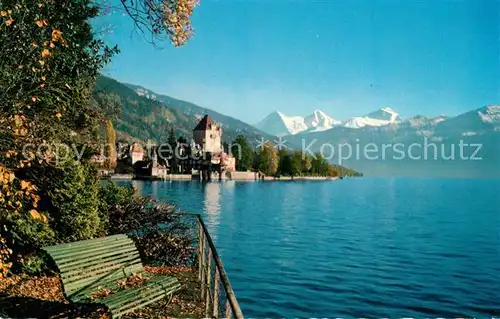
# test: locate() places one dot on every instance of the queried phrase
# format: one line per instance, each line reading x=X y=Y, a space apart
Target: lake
x=353 y=248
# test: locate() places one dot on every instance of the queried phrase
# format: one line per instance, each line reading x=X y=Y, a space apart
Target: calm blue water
x=353 y=248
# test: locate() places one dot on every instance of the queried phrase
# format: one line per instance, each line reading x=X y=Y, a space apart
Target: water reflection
x=211 y=204
x=138 y=185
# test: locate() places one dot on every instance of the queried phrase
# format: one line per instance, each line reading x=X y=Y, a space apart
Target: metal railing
x=216 y=291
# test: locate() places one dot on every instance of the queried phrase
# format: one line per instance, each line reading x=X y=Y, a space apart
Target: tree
x=319 y=165
x=268 y=159
x=49 y=65
x=50 y=62
x=332 y=171
x=306 y=164
x=172 y=142
x=74 y=198
x=296 y=163
x=243 y=153
x=256 y=160
x=285 y=164
x=111 y=154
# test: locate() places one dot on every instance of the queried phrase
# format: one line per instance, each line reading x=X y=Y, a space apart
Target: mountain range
x=279 y=124
x=149 y=115
x=467 y=145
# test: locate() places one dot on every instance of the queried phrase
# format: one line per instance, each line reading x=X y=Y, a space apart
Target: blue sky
x=347 y=58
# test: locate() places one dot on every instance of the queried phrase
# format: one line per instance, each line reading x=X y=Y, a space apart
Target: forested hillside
x=142 y=118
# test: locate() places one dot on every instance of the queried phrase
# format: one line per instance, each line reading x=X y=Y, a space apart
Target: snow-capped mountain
x=319 y=121
x=426 y=146
x=422 y=121
x=279 y=124
x=484 y=119
x=380 y=117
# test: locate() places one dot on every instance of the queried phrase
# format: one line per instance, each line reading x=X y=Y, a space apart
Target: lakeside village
x=207 y=158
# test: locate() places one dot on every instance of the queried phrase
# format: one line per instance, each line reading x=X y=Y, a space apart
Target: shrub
x=23 y=227
x=162 y=236
x=113 y=198
x=75 y=202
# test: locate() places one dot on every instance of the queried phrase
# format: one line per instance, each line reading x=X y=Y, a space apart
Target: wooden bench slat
x=80 y=264
x=83 y=243
x=89 y=248
x=96 y=256
x=151 y=286
x=125 y=260
x=81 y=253
x=100 y=271
x=142 y=296
x=83 y=294
x=104 y=280
x=146 y=300
x=55 y=250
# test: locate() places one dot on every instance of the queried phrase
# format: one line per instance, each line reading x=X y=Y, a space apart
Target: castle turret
x=208 y=135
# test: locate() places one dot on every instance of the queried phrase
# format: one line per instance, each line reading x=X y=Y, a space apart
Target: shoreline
x=236 y=177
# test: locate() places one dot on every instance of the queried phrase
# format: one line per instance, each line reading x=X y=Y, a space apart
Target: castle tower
x=208 y=135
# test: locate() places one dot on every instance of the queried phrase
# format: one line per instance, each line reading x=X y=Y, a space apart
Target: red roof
x=205 y=124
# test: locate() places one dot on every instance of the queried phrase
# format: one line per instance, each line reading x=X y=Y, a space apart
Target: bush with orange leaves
x=49 y=63
x=23 y=225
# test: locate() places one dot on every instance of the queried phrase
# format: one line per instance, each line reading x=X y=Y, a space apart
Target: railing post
x=215 y=312
x=228 y=309
x=232 y=307
x=202 y=269
x=209 y=279
x=200 y=249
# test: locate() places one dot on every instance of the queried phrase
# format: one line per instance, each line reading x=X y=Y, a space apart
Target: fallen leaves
x=164 y=270
x=101 y=293
x=184 y=304
x=45 y=297
x=44 y=288
x=132 y=281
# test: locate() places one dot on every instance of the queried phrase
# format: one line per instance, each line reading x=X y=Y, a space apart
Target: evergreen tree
x=296 y=163
x=172 y=142
x=285 y=165
x=111 y=154
x=243 y=153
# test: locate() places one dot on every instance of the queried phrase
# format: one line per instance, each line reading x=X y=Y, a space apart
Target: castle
x=206 y=157
x=207 y=135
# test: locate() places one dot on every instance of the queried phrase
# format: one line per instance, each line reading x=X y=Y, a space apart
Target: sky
x=348 y=58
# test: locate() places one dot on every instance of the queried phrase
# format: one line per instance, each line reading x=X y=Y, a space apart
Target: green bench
x=92 y=265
